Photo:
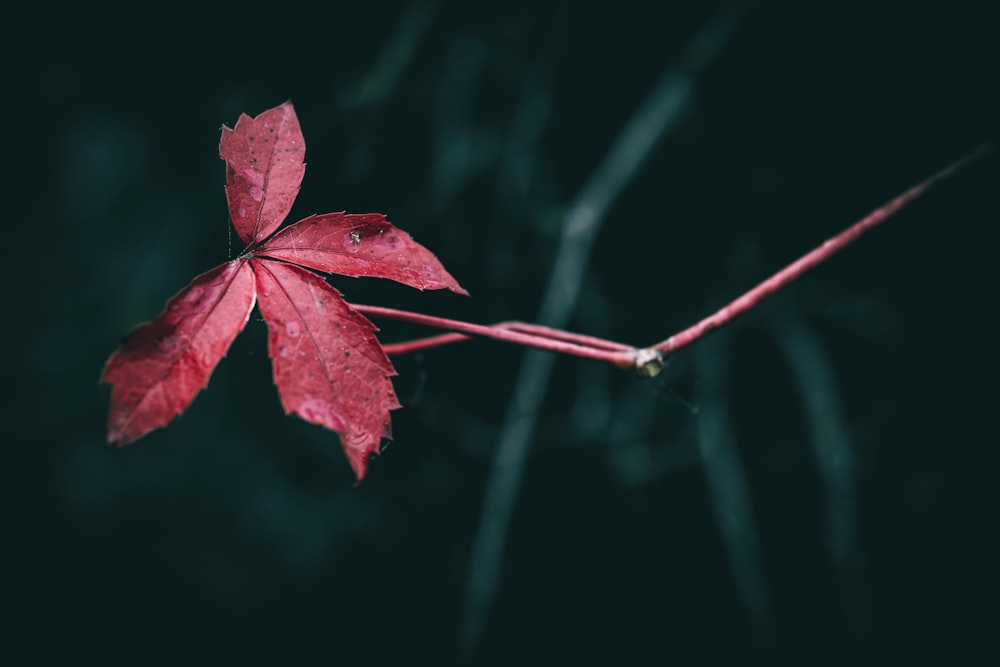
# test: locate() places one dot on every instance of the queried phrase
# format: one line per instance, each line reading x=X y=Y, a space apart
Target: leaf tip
x=359 y=464
x=118 y=437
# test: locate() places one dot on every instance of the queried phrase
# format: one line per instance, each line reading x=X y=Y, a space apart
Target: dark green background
x=235 y=534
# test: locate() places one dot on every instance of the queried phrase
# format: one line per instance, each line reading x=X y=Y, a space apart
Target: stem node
x=648 y=362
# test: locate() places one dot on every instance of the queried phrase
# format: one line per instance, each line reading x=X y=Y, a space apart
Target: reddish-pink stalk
x=556 y=341
x=648 y=361
x=417 y=344
x=810 y=260
x=531 y=329
x=568 y=336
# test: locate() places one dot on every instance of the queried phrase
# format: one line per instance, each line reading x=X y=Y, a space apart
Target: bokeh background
x=814 y=485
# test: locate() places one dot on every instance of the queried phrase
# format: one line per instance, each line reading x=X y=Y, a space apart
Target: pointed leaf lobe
x=163 y=364
x=328 y=367
x=264 y=168
x=360 y=245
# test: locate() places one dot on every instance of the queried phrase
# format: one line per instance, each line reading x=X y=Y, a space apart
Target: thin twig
x=647 y=361
x=539 y=337
x=809 y=261
x=406 y=347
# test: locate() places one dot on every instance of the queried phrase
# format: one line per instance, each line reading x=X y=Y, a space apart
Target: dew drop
x=352 y=241
x=318 y=411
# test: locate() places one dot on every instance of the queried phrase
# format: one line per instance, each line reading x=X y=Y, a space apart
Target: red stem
x=423 y=343
x=540 y=337
x=649 y=361
x=532 y=329
x=808 y=261
x=559 y=334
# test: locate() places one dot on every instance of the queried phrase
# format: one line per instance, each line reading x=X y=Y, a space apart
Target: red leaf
x=363 y=244
x=328 y=367
x=264 y=168
x=163 y=364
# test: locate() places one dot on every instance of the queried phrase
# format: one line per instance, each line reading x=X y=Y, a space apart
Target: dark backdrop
x=851 y=515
